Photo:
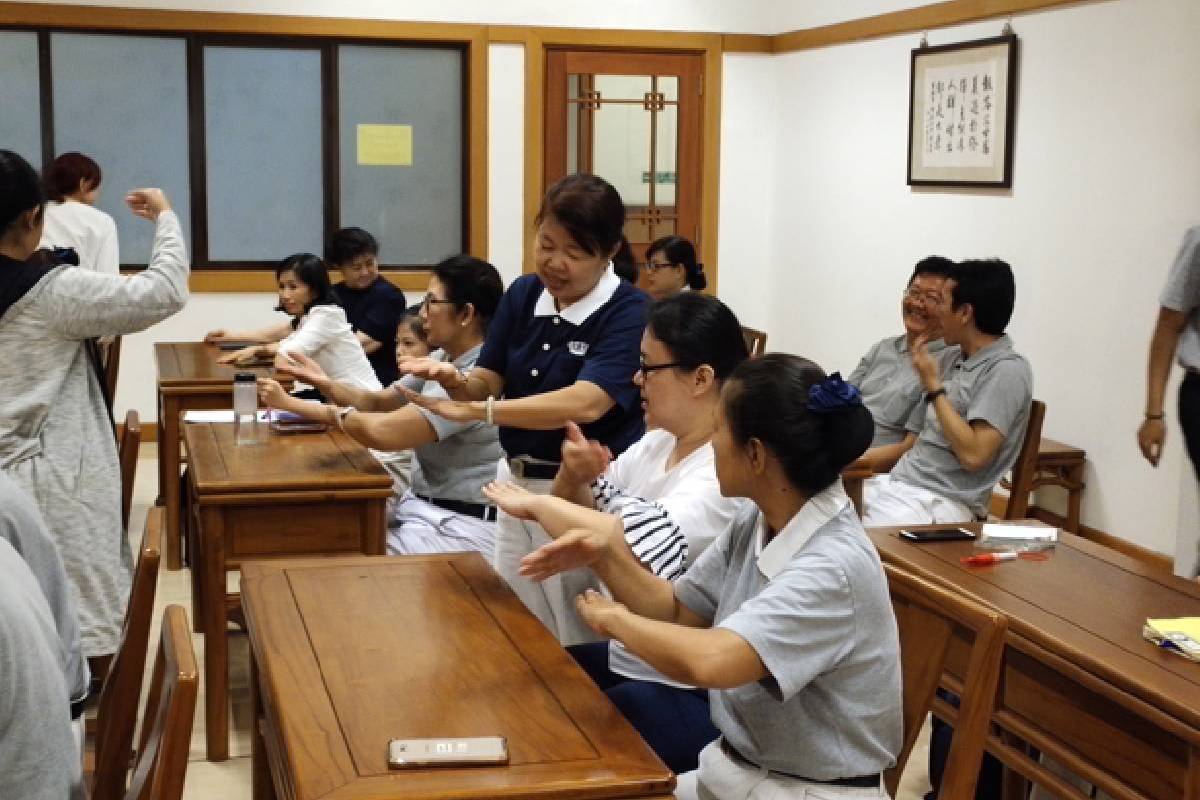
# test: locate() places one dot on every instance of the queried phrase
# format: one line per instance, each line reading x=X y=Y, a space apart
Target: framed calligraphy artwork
x=961 y=109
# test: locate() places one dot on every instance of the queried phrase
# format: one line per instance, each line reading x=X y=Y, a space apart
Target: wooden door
x=633 y=118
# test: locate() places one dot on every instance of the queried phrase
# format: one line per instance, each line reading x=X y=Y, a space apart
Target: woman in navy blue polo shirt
x=563 y=347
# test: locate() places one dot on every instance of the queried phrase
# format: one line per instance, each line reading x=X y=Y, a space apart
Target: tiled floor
x=230 y=780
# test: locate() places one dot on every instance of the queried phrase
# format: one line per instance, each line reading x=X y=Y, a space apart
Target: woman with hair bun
x=785 y=618
x=72 y=183
x=671 y=267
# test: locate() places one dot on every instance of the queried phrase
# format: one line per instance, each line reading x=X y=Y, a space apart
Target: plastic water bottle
x=245 y=408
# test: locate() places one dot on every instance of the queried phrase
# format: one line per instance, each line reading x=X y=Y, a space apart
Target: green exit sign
x=659 y=177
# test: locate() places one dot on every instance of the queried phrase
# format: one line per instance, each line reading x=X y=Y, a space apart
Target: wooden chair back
x=756 y=341
x=127 y=454
x=929 y=619
x=1025 y=468
x=116 y=716
x=112 y=367
x=167 y=721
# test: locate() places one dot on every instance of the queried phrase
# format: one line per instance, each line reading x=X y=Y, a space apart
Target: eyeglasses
x=928 y=298
x=646 y=369
x=654 y=266
x=430 y=300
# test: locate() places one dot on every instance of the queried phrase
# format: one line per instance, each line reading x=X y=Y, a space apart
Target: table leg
x=197 y=561
x=1074 y=496
x=263 y=787
x=216 y=645
x=168 y=476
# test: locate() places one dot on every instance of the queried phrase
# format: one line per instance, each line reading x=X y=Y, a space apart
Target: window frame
x=327 y=46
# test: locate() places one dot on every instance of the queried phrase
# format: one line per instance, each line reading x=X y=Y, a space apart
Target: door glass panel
x=621 y=149
x=669 y=86
x=623 y=87
x=666 y=145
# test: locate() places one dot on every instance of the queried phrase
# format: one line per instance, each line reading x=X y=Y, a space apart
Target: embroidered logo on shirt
x=577 y=348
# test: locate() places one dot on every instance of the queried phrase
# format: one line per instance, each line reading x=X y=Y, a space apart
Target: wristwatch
x=935 y=394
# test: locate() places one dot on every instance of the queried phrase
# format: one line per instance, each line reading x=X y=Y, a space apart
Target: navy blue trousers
x=674 y=722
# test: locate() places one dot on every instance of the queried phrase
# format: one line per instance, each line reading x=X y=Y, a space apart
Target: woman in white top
x=318 y=328
x=665 y=490
x=72 y=184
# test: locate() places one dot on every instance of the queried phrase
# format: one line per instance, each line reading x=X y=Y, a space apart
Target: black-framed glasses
x=651 y=266
x=928 y=298
x=646 y=369
x=430 y=300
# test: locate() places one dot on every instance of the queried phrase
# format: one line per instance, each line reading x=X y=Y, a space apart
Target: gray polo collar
x=820 y=508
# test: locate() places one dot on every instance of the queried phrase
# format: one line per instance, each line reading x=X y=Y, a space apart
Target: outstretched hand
x=575 y=548
x=516 y=501
x=453 y=410
x=598 y=611
x=430 y=369
x=270 y=393
x=583 y=459
x=300 y=367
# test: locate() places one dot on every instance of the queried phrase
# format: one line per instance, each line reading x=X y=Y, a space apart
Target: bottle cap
x=245 y=376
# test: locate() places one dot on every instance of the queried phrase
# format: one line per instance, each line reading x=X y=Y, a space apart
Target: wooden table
x=1079 y=682
x=188 y=378
x=293 y=494
x=349 y=653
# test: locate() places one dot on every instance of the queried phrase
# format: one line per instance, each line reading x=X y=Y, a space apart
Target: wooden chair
x=853 y=477
x=166 y=735
x=127 y=453
x=756 y=341
x=117 y=712
x=1025 y=468
x=932 y=622
x=112 y=366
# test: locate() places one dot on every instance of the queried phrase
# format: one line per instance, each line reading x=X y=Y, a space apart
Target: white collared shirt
x=820 y=508
x=578 y=312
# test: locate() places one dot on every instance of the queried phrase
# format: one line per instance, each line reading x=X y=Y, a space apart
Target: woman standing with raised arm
x=786 y=617
x=56 y=436
x=562 y=348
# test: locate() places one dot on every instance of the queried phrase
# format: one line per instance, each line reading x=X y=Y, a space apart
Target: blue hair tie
x=832 y=394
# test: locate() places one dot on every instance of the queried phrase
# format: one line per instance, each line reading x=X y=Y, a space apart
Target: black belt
x=862 y=781
x=478 y=510
x=523 y=468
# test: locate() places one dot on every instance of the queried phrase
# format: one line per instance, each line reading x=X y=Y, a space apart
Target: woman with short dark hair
x=72 y=183
x=56 y=437
x=785 y=618
x=563 y=348
x=671 y=267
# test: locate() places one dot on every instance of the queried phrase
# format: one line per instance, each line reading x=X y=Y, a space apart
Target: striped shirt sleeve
x=652 y=534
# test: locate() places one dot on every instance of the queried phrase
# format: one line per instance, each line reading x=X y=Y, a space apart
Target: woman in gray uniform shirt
x=56 y=437
x=785 y=618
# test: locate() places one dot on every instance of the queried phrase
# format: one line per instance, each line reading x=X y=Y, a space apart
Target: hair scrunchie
x=832 y=394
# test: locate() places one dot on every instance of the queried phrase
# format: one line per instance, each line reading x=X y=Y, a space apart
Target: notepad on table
x=1180 y=635
x=1019 y=533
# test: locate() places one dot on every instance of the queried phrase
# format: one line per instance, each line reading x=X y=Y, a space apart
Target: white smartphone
x=410 y=753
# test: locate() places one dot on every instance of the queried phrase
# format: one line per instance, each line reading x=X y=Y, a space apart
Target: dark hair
x=680 y=252
x=623 y=261
x=699 y=329
x=471 y=280
x=412 y=320
x=932 y=265
x=589 y=208
x=989 y=287
x=766 y=398
x=64 y=174
x=19 y=188
x=311 y=271
x=348 y=244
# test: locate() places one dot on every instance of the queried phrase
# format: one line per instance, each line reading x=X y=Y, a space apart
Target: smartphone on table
x=947 y=534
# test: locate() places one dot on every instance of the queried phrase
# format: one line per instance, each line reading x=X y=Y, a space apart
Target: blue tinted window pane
x=21 y=122
x=415 y=211
x=123 y=101
x=262 y=127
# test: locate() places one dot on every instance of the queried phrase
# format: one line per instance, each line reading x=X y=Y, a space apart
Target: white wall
x=1106 y=160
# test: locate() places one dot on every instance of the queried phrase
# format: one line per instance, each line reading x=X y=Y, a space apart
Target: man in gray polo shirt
x=970 y=427
x=890 y=388
x=1178 y=326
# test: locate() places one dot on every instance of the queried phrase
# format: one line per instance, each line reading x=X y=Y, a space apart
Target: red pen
x=986 y=559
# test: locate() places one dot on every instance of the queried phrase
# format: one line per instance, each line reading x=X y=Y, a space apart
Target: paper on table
x=1037 y=533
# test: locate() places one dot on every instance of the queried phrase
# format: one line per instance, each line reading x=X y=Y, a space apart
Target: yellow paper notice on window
x=385 y=145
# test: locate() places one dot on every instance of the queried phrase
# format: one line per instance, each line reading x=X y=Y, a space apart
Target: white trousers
x=891 y=502
x=720 y=777
x=552 y=601
x=417 y=526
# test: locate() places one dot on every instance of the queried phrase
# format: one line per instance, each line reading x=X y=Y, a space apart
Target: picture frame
x=961 y=113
